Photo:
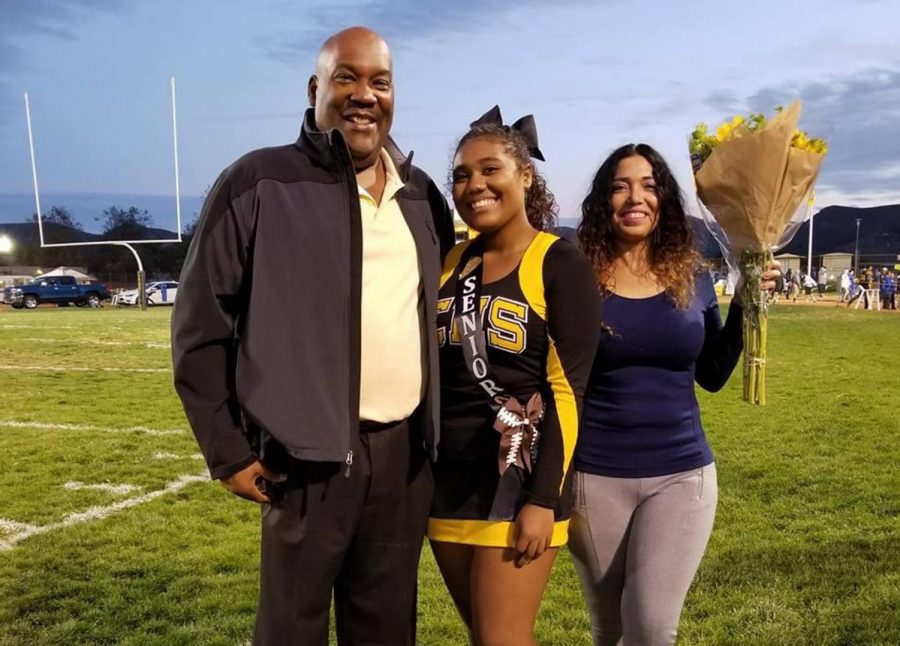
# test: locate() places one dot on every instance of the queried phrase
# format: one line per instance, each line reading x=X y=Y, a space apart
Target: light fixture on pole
x=6 y=244
x=856 y=252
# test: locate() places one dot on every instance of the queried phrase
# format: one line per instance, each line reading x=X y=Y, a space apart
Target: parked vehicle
x=61 y=290
x=160 y=292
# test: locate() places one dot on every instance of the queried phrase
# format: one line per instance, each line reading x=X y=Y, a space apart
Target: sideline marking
x=119 y=490
x=99 y=513
x=166 y=455
x=80 y=369
x=39 y=327
x=14 y=526
x=12 y=423
x=147 y=344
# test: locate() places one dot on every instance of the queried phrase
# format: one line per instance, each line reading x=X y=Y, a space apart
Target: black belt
x=368 y=426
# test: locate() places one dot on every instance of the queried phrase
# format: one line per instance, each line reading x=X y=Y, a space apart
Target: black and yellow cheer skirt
x=468 y=494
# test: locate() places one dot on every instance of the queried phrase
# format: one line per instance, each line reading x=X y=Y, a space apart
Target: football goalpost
x=128 y=244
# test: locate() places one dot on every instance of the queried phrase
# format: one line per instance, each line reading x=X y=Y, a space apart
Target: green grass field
x=806 y=548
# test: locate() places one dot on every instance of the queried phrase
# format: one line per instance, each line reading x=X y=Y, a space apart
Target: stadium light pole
x=856 y=251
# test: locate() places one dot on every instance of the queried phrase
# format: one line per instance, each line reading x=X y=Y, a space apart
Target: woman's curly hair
x=540 y=205
x=672 y=256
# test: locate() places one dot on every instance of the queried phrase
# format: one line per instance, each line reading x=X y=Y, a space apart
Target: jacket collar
x=322 y=146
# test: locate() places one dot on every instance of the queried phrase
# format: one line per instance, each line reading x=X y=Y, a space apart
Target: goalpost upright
x=122 y=243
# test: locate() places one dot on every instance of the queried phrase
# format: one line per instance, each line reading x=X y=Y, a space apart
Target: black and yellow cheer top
x=540 y=324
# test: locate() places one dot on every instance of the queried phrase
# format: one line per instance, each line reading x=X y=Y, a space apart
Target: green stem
x=753 y=264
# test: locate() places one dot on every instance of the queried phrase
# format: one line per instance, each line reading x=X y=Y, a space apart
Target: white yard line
x=119 y=490
x=146 y=344
x=80 y=369
x=98 y=513
x=12 y=423
x=38 y=327
x=165 y=455
x=13 y=526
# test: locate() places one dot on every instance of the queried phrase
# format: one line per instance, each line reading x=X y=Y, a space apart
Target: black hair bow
x=524 y=126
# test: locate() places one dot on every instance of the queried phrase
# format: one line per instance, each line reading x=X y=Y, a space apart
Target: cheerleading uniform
x=540 y=333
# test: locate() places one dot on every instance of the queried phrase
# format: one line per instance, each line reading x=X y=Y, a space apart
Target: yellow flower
x=702 y=142
x=723 y=132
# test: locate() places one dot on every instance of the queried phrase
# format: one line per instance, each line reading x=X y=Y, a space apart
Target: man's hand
x=245 y=483
x=533 y=531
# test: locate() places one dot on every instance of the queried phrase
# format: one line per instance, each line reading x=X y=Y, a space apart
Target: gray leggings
x=637 y=543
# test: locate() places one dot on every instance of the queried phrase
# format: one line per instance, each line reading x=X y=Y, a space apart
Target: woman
x=512 y=385
x=645 y=481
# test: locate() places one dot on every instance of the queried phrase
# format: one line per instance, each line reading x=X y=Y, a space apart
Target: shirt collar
x=392 y=181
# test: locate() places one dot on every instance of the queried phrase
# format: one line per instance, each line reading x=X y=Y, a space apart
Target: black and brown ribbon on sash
x=519 y=432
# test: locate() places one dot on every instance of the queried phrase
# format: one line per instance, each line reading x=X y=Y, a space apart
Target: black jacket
x=266 y=329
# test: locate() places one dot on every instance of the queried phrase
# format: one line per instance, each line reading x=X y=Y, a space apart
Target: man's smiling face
x=353 y=91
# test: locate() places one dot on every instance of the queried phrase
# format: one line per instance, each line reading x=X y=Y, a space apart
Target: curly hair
x=540 y=205
x=672 y=256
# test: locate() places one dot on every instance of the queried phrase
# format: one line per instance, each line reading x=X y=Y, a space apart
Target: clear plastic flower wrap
x=754 y=179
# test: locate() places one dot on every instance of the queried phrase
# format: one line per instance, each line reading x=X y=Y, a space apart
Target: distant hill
x=26 y=234
x=834 y=230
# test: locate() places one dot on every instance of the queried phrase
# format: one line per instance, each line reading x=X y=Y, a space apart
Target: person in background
x=866 y=278
x=779 y=288
x=809 y=284
x=796 y=284
x=855 y=292
x=822 y=281
x=645 y=487
x=887 y=288
x=845 y=285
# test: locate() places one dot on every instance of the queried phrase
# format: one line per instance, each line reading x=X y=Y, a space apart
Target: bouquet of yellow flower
x=752 y=176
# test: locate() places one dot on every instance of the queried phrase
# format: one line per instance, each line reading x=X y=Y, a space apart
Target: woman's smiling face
x=634 y=200
x=488 y=185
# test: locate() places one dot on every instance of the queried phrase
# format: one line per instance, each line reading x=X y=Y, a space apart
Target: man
x=845 y=285
x=306 y=357
x=822 y=281
x=887 y=287
x=796 y=284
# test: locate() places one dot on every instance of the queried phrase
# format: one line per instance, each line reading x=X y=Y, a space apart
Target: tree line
x=161 y=261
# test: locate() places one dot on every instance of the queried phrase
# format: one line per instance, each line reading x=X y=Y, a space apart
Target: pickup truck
x=61 y=290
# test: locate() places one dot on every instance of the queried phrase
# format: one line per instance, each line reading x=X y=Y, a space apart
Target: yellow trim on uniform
x=486 y=533
x=452 y=260
x=531 y=272
x=566 y=407
x=531 y=282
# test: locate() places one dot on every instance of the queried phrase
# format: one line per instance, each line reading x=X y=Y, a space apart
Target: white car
x=161 y=292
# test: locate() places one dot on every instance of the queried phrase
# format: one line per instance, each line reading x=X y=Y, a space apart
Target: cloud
x=54 y=18
x=23 y=19
x=859 y=115
x=401 y=22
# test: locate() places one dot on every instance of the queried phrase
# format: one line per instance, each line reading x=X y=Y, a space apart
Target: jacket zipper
x=349 y=463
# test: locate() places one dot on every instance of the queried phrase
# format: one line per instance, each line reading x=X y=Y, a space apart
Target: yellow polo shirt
x=392 y=381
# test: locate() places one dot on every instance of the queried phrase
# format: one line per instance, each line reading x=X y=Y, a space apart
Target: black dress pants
x=358 y=534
